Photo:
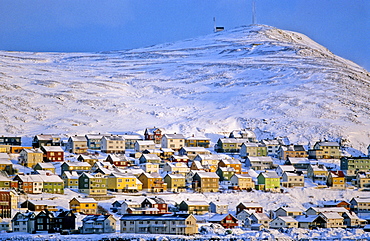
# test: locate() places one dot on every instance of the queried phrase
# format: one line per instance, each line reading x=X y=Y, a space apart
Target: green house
x=225 y=173
x=52 y=184
x=92 y=183
x=268 y=181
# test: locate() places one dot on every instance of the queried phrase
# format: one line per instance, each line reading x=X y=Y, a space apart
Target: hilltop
x=251 y=76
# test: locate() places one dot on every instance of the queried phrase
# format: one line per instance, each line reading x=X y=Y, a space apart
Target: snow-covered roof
x=174 y=136
x=251 y=205
x=287 y=219
x=147 y=142
x=286 y=168
x=52 y=148
x=331 y=215
x=207 y=175
x=197 y=138
x=196 y=203
x=270 y=174
x=196 y=149
x=78 y=138
x=46 y=165
x=259 y=159
x=86 y=200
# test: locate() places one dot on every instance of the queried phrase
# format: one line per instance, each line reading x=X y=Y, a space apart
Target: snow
x=249 y=77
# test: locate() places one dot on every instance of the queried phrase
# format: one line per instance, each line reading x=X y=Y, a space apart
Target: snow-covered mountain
x=252 y=76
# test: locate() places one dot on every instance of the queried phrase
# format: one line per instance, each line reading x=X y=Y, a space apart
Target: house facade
x=176 y=224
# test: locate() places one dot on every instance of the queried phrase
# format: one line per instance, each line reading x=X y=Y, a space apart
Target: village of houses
x=97 y=168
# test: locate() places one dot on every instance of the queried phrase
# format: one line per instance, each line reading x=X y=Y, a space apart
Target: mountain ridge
x=249 y=77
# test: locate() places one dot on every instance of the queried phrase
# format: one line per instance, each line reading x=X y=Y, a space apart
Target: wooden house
x=173 y=141
x=113 y=144
x=218 y=207
x=242 y=182
x=249 y=206
x=336 y=179
x=175 y=224
x=205 y=182
x=194 y=207
x=192 y=152
x=78 y=167
x=284 y=222
x=45 y=167
x=140 y=146
x=83 y=205
x=77 y=144
x=292 y=180
x=30 y=157
x=253 y=149
x=225 y=220
x=292 y=151
x=94 y=141
x=268 y=181
x=152 y=182
x=194 y=141
x=158 y=203
x=175 y=182
x=259 y=163
x=53 y=153
x=231 y=162
x=97 y=224
x=325 y=150
x=154 y=134
x=45 y=140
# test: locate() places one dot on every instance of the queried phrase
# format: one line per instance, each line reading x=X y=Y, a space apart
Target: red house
x=53 y=153
x=119 y=160
x=226 y=220
x=7 y=198
x=249 y=206
x=154 y=134
x=158 y=203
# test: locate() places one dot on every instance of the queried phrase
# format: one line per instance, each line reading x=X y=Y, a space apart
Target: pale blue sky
x=343 y=26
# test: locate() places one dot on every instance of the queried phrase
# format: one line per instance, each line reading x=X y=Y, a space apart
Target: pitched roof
x=78 y=138
x=52 y=148
x=174 y=136
x=270 y=174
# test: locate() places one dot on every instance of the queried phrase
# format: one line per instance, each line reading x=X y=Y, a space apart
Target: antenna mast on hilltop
x=254 y=20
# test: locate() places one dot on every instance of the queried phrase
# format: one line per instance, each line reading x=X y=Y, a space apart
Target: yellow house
x=173 y=141
x=336 y=180
x=83 y=205
x=317 y=173
x=362 y=179
x=5 y=162
x=123 y=183
x=152 y=182
x=242 y=182
x=30 y=157
x=175 y=182
x=47 y=166
x=176 y=168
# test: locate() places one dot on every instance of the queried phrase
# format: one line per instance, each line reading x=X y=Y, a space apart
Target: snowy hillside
x=254 y=76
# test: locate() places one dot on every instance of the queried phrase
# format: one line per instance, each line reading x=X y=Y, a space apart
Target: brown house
x=53 y=153
x=152 y=182
x=205 y=182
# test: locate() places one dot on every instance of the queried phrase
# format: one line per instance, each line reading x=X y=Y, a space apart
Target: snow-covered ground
x=252 y=76
x=302 y=198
